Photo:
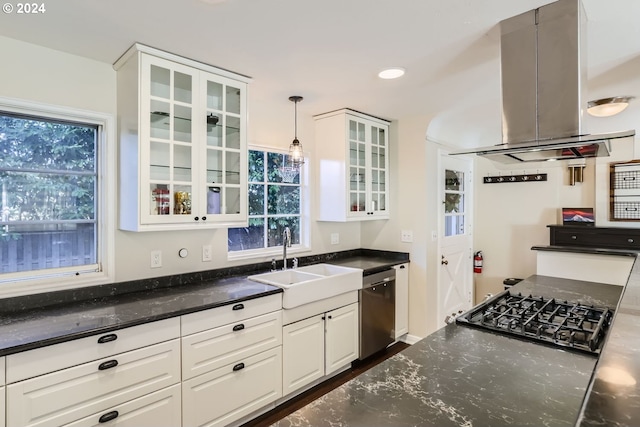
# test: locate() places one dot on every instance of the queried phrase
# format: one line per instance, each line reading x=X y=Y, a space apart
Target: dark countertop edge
x=586 y=250
x=597 y=408
x=123 y=325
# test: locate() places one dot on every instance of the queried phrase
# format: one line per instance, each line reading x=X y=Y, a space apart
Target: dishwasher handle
x=388 y=276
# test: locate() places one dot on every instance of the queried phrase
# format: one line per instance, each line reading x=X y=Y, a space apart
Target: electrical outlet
x=206 y=253
x=335 y=238
x=156 y=259
x=434 y=235
x=406 y=236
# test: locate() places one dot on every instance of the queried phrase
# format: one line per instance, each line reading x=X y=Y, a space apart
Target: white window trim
x=106 y=145
x=267 y=254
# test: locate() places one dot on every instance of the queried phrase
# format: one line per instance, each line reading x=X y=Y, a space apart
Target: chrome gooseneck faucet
x=286 y=242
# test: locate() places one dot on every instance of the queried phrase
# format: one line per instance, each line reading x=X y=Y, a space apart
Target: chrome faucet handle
x=295 y=263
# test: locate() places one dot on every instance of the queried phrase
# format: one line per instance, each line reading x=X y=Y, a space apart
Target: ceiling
x=330 y=51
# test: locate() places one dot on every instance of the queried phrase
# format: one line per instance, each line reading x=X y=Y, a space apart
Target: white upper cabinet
x=183 y=150
x=353 y=166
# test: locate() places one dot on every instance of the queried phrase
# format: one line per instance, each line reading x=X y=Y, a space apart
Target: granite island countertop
x=462 y=376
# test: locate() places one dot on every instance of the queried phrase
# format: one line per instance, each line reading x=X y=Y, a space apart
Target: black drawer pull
x=630 y=240
x=238 y=327
x=108 y=364
x=238 y=366
x=108 y=417
x=402 y=266
x=630 y=209
x=107 y=338
x=238 y=307
x=574 y=237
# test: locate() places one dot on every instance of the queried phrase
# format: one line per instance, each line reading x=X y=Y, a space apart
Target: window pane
x=274 y=163
x=283 y=199
x=256 y=166
x=256 y=199
x=251 y=237
x=276 y=230
x=48 y=182
x=46 y=197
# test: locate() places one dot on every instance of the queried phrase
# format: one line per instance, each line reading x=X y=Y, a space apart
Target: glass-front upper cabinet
x=183 y=150
x=366 y=192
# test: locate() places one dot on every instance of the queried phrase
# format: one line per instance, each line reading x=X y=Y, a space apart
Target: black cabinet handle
x=204 y=218
x=574 y=237
x=402 y=266
x=238 y=307
x=238 y=327
x=330 y=317
x=108 y=364
x=107 y=338
x=238 y=366
x=196 y=218
x=630 y=240
x=108 y=417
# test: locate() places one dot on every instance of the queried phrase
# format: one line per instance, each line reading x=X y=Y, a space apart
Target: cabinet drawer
x=71 y=394
x=159 y=409
x=215 y=348
x=231 y=313
x=222 y=396
x=596 y=237
x=40 y=361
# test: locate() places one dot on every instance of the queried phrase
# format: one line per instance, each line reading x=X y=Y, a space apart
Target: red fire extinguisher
x=477 y=262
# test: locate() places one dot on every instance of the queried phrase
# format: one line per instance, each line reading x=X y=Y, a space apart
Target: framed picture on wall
x=578 y=216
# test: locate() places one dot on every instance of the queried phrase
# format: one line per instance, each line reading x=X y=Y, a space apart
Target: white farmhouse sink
x=312 y=283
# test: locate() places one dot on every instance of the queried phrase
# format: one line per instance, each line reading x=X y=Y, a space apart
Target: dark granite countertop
x=461 y=376
x=44 y=319
x=38 y=327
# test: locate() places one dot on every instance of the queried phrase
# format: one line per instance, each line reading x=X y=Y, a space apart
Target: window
x=50 y=195
x=273 y=205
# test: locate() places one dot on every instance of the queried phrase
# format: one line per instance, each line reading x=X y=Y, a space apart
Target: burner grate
x=552 y=321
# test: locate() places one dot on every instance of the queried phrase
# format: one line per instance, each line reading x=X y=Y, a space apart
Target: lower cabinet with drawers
x=231 y=361
x=119 y=371
x=211 y=368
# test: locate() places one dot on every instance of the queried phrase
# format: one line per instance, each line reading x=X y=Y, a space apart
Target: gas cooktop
x=574 y=326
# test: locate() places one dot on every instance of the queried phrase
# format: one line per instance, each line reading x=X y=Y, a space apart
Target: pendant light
x=291 y=163
x=296 y=156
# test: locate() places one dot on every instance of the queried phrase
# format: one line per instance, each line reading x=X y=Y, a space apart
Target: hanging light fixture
x=607 y=107
x=296 y=156
x=295 y=159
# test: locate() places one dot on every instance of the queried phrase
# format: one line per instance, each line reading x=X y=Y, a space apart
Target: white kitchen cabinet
x=183 y=150
x=342 y=338
x=402 y=299
x=67 y=395
x=224 y=395
x=318 y=346
x=158 y=409
x=352 y=151
x=231 y=361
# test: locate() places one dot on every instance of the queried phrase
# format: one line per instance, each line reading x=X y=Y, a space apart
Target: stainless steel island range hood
x=543 y=73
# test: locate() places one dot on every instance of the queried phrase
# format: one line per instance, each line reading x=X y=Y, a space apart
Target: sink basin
x=312 y=283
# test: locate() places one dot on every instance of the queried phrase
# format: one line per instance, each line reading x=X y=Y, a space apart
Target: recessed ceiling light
x=391 y=73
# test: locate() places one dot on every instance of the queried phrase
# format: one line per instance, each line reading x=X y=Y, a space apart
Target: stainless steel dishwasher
x=377 y=312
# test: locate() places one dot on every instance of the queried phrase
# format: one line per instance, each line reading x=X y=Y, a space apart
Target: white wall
x=39 y=74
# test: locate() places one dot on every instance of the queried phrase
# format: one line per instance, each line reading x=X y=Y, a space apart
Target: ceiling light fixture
x=292 y=163
x=391 y=73
x=607 y=107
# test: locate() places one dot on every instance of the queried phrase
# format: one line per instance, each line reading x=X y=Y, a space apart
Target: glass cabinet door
x=378 y=169
x=357 y=167
x=224 y=159
x=169 y=112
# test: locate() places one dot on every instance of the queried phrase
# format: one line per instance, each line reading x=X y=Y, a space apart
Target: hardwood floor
x=310 y=395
